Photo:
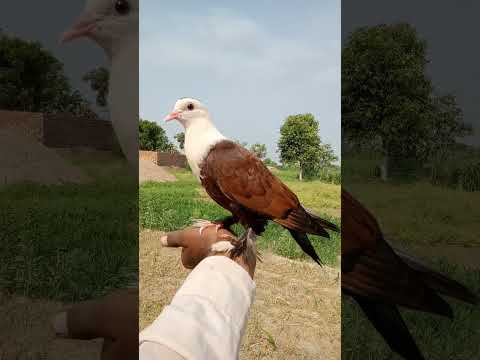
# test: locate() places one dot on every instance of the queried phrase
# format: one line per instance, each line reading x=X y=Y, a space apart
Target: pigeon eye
x=122 y=7
x=190 y=107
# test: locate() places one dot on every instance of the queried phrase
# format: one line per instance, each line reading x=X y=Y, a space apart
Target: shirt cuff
x=207 y=315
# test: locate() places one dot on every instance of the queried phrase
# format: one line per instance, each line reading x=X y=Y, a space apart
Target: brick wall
x=28 y=123
x=172 y=159
x=164 y=158
x=149 y=155
x=66 y=130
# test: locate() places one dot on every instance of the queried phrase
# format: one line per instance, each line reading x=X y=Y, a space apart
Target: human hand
x=210 y=242
x=113 y=318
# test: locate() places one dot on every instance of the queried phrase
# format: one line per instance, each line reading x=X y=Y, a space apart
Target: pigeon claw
x=203 y=227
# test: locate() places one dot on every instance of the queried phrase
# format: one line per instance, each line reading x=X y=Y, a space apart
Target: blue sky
x=252 y=63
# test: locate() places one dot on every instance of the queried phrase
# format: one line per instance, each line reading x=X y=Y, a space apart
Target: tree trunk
x=300 y=174
x=384 y=168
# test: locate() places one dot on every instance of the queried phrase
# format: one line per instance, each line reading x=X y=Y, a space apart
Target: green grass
x=70 y=242
x=172 y=206
x=422 y=214
x=437 y=337
x=414 y=212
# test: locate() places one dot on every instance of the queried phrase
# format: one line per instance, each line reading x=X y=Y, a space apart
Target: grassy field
x=414 y=212
x=171 y=206
x=422 y=214
x=70 y=242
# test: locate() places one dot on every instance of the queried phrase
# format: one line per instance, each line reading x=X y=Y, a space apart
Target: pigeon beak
x=84 y=26
x=174 y=115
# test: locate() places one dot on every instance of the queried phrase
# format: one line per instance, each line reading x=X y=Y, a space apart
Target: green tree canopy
x=260 y=150
x=180 y=137
x=32 y=79
x=387 y=97
x=99 y=79
x=300 y=144
x=152 y=137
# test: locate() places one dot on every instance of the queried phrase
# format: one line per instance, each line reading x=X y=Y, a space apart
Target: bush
x=469 y=177
x=330 y=175
x=463 y=175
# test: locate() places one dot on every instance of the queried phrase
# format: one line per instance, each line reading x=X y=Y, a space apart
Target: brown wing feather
x=243 y=178
x=360 y=230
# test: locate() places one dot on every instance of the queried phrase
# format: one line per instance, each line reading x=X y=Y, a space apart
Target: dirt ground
x=26 y=333
x=148 y=171
x=24 y=159
x=296 y=314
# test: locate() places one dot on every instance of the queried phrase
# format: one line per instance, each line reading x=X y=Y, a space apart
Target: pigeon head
x=188 y=112
x=107 y=22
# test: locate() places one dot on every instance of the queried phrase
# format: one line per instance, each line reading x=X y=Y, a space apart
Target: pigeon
x=113 y=25
x=241 y=183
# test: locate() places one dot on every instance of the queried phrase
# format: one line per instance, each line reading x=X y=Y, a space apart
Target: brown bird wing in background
x=379 y=279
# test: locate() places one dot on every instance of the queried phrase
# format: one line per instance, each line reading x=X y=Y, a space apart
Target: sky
x=451 y=30
x=252 y=63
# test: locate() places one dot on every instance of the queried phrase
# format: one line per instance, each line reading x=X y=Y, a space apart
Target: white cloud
x=229 y=44
x=251 y=73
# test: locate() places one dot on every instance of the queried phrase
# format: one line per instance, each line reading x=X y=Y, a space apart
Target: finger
x=191 y=257
x=108 y=317
x=78 y=322
x=174 y=239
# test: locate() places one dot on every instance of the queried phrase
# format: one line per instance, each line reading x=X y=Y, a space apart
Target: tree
x=300 y=144
x=445 y=126
x=242 y=143
x=180 y=137
x=260 y=150
x=33 y=80
x=387 y=97
x=99 y=79
x=270 y=162
x=152 y=137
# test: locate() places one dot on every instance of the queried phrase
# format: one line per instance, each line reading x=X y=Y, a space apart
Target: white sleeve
x=207 y=315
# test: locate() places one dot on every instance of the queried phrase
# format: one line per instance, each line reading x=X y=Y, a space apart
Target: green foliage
x=152 y=137
x=180 y=137
x=387 y=97
x=260 y=150
x=458 y=174
x=469 y=179
x=330 y=175
x=300 y=144
x=32 y=79
x=270 y=162
x=98 y=79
